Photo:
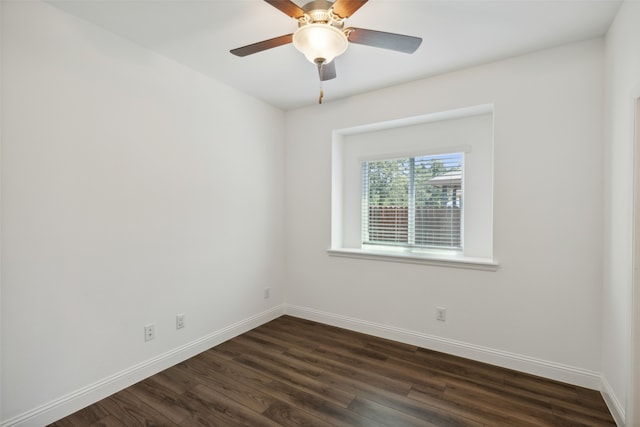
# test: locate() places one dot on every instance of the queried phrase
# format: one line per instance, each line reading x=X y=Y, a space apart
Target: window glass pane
x=415 y=201
x=438 y=200
x=387 y=182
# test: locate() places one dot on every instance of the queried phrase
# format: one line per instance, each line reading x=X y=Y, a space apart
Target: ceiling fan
x=321 y=35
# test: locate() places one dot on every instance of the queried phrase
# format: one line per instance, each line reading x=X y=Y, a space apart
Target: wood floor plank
x=514 y=413
x=252 y=394
x=208 y=413
x=393 y=400
x=108 y=421
x=553 y=389
x=385 y=415
x=334 y=414
x=348 y=343
x=347 y=371
x=459 y=367
x=176 y=379
x=388 y=368
x=300 y=379
x=296 y=372
x=251 y=397
x=290 y=416
x=303 y=392
x=401 y=403
x=292 y=396
x=235 y=411
x=478 y=416
x=289 y=341
x=161 y=398
x=132 y=412
x=594 y=416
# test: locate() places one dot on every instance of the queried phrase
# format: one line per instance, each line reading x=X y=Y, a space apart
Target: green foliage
x=389 y=181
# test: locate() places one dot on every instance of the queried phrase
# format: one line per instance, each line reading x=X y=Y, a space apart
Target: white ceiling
x=456 y=34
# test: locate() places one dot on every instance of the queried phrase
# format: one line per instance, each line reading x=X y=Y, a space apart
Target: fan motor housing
x=319 y=12
x=317 y=4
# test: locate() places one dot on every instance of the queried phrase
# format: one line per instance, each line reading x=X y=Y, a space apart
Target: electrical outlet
x=441 y=314
x=180 y=321
x=267 y=293
x=150 y=332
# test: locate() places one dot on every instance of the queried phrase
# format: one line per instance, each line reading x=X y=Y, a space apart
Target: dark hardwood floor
x=293 y=372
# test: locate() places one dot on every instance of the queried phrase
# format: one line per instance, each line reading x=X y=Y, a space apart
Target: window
x=413 y=202
x=416 y=190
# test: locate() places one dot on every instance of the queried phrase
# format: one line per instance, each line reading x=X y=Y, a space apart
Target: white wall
x=622 y=89
x=133 y=189
x=541 y=310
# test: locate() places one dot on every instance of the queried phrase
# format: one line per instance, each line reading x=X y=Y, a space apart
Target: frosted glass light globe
x=320 y=41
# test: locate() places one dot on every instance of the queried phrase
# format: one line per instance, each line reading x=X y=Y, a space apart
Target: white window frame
x=431 y=134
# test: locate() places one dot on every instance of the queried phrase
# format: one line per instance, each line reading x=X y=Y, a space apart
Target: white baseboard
x=543 y=368
x=83 y=397
x=616 y=409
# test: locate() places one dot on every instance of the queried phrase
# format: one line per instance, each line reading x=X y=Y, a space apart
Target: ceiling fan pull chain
x=320 y=63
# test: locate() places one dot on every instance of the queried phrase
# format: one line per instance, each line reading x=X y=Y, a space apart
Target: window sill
x=454 y=261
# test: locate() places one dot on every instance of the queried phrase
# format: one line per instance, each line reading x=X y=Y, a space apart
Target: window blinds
x=413 y=201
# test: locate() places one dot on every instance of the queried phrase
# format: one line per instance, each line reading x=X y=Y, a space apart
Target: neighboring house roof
x=449 y=178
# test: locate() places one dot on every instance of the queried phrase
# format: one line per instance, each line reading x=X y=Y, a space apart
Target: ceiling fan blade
x=346 y=8
x=392 y=41
x=288 y=7
x=327 y=71
x=263 y=45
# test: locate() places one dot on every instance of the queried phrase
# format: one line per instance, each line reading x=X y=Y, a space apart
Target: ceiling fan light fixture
x=320 y=41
